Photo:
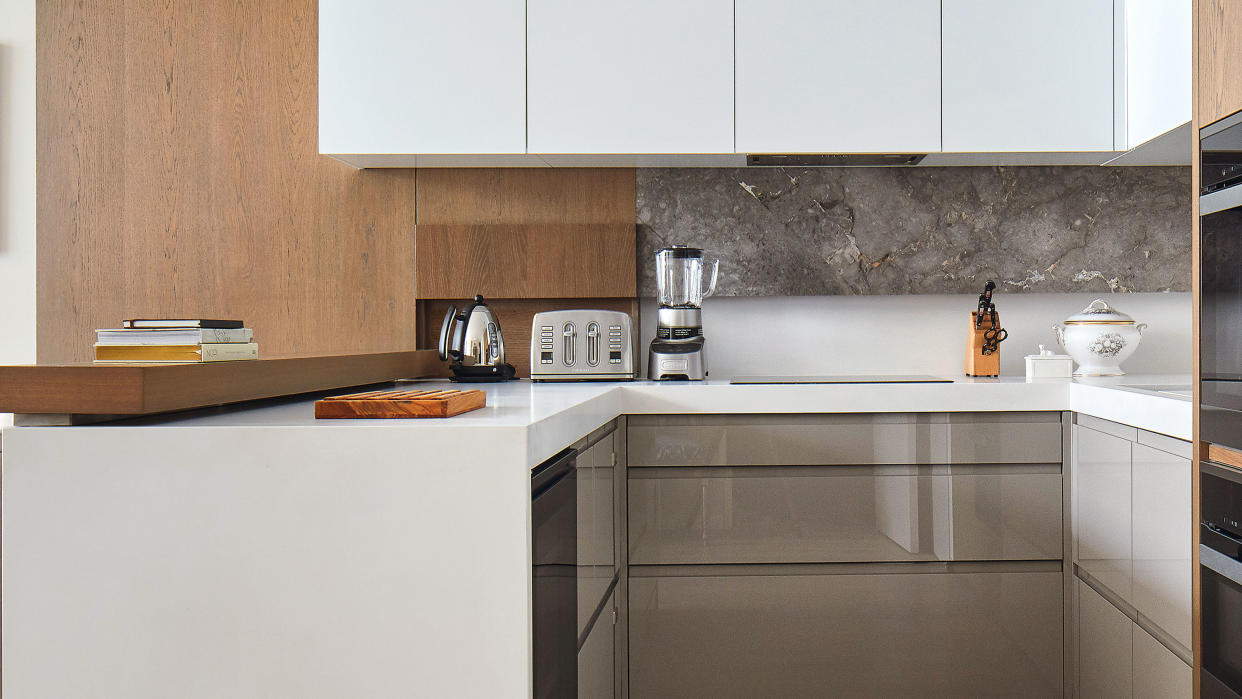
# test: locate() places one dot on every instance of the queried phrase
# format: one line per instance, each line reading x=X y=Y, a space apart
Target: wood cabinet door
x=1219 y=69
x=630 y=77
x=421 y=76
x=838 y=76
x=1028 y=76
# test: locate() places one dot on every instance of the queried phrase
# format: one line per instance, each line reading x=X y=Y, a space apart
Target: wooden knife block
x=978 y=363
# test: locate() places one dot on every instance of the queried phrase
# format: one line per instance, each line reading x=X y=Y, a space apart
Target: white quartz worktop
x=254 y=550
x=552 y=415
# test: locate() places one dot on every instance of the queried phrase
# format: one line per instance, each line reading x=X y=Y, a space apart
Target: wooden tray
x=401 y=404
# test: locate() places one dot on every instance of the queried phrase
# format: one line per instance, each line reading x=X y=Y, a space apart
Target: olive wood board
x=401 y=404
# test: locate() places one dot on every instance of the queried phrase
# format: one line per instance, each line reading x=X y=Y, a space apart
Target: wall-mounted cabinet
x=634 y=77
x=706 y=82
x=403 y=77
x=838 y=76
x=1028 y=76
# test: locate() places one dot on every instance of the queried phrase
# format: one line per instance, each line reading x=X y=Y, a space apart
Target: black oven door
x=1220 y=352
x=1221 y=600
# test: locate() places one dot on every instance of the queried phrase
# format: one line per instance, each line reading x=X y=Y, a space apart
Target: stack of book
x=145 y=340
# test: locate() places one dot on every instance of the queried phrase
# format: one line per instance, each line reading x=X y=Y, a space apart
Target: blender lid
x=679 y=251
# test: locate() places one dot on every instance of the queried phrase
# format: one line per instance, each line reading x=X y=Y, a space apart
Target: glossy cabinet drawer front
x=1005 y=438
x=596 y=557
x=1102 y=509
x=1105 y=647
x=882 y=438
x=844 y=514
x=1161 y=540
x=978 y=634
x=746 y=440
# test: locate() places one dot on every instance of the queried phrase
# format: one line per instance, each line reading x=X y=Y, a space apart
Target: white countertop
x=553 y=415
x=401 y=547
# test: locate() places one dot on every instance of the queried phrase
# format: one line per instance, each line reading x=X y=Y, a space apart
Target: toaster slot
x=592 y=344
x=568 y=335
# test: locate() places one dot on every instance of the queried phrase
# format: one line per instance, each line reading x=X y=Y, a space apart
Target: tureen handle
x=1141 y=327
x=1060 y=334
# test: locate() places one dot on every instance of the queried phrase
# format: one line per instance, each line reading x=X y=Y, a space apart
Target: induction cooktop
x=860 y=378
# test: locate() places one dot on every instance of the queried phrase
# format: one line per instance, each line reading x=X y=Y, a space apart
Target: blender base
x=681 y=360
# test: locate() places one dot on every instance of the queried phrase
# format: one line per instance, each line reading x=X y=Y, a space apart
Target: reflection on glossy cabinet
x=1162 y=540
x=775 y=514
x=1158 y=673
x=884 y=93
x=596 y=669
x=1028 y=76
x=596 y=556
x=907 y=634
x=1105 y=648
x=1101 y=501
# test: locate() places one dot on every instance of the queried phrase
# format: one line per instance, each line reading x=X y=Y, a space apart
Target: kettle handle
x=445 y=350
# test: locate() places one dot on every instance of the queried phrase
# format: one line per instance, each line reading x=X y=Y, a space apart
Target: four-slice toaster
x=582 y=346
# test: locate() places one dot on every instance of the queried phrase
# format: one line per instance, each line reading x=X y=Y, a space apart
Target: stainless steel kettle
x=473 y=341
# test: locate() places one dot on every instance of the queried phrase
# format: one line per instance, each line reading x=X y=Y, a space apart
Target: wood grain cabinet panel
x=1219 y=51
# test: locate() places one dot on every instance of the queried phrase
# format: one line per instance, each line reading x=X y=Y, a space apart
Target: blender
x=677 y=351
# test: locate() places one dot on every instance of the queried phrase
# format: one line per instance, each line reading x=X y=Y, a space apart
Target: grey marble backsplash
x=854 y=231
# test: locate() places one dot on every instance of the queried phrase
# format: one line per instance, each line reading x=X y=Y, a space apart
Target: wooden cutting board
x=400 y=404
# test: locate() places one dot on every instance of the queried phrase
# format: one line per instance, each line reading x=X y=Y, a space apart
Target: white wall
x=803 y=335
x=17 y=182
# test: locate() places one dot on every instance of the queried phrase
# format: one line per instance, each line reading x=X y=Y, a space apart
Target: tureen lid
x=1099 y=313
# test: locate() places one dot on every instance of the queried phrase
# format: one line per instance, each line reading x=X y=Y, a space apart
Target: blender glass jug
x=679 y=275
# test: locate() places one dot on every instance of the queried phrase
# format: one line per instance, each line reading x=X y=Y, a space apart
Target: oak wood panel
x=526 y=195
x=1221 y=455
x=1218 y=73
x=1198 y=86
x=179 y=175
x=515 y=318
x=132 y=389
x=524 y=261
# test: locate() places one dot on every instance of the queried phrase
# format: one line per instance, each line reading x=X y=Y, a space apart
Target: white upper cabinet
x=1154 y=85
x=422 y=76
x=838 y=76
x=645 y=76
x=1028 y=76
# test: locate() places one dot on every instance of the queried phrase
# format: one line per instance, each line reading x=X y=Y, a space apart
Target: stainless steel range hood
x=834 y=159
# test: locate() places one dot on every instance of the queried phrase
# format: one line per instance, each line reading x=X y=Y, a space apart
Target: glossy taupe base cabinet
x=894 y=555
x=909 y=634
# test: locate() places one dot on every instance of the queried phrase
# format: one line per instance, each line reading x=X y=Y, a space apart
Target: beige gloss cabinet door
x=596 y=663
x=861 y=635
x=1102 y=508
x=1158 y=673
x=778 y=514
x=850 y=439
x=1105 y=648
x=596 y=558
x=1162 y=540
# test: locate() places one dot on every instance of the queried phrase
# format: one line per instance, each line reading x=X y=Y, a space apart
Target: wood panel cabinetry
x=1218 y=70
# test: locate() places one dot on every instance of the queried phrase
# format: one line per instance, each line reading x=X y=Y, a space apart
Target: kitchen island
x=253 y=550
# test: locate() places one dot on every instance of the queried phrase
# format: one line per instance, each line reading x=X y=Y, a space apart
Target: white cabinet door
x=645 y=76
x=1162 y=540
x=1158 y=673
x=1028 y=76
x=1157 y=69
x=422 y=76
x=838 y=76
x=1102 y=508
x=1105 y=648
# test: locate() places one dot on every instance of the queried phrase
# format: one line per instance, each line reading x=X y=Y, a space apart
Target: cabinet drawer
x=781 y=514
x=943 y=634
x=881 y=438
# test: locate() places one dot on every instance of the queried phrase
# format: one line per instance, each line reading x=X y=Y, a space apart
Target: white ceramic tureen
x=1099 y=338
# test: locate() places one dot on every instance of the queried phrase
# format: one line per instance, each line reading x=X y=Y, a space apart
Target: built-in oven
x=1220 y=572
x=1220 y=211
x=554 y=577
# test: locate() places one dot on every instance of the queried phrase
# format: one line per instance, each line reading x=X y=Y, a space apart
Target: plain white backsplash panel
x=924 y=334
